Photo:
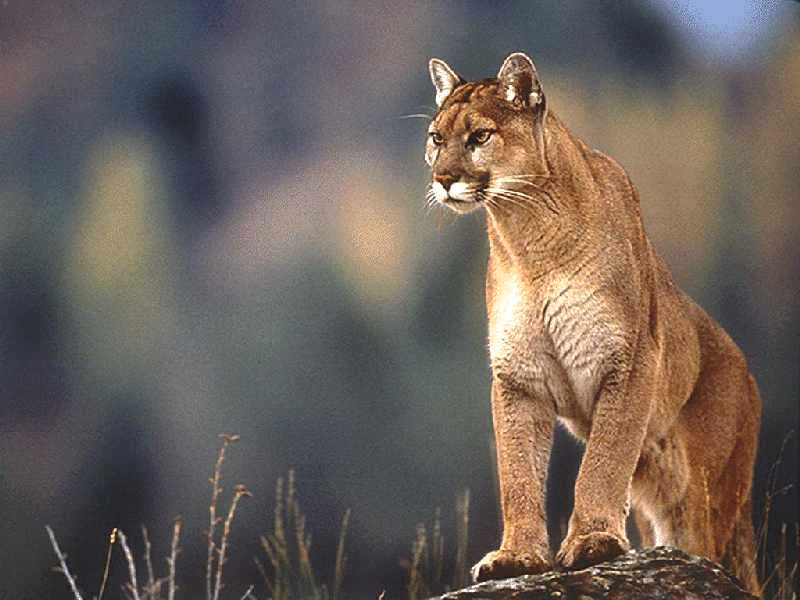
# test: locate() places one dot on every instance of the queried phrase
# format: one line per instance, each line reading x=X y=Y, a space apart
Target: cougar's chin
x=462 y=206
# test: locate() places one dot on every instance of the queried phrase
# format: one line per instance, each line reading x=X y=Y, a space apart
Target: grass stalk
x=150 y=590
x=778 y=576
x=248 y=593
x=213 y=520
x=63 y=569
x=461 y=572
x=341 y=559
x=112 y=539
x=173 y=557
x=239 y=492
x=133 y=584
x=428 y=561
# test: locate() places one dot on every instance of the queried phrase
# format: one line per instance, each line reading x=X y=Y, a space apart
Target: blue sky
x=728 y=30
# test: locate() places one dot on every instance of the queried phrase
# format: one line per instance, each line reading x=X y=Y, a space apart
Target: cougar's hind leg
x=659 y=488
x=678 y=491
x=687 y=523
x=739 y=554
x=644 y=526
x=715 y=518
x=720 y=436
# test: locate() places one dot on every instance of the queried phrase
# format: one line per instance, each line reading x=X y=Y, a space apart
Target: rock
x=653 y=574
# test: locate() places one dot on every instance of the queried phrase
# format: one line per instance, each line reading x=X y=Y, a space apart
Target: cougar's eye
x=436 y=138
x=481 y=136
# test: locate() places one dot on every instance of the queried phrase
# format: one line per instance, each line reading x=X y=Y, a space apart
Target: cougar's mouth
x=460 y=197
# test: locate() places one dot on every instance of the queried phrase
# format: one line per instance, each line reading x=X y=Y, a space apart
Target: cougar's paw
x=501 y=564
x=583 y=551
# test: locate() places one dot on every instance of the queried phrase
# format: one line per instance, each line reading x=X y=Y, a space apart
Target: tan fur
x=586 y=326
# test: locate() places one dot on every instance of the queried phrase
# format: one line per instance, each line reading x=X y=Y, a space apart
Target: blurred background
x=213 y=221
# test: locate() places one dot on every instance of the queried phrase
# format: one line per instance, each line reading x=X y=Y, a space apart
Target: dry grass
x=152 y=589
x=290 y=575
x=341 y=560
x=62 y=568
x=173 y=556
x=214 y=553
x=427 y=565
x=778 y=572
x=112 y=539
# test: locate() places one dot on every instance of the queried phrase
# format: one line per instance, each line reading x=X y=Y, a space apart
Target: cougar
x=587 y=327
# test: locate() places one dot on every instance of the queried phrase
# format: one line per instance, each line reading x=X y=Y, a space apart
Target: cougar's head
x=486 y=142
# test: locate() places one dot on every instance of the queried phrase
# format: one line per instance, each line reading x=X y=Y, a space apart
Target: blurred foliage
x=213 y=220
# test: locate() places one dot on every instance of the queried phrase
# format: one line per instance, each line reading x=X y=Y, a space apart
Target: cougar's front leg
x=523 y=428
x=596 y=530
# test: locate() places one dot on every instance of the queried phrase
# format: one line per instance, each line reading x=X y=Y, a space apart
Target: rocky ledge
x=654 y=574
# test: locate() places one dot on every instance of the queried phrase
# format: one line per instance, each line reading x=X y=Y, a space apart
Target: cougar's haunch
x=586 y=326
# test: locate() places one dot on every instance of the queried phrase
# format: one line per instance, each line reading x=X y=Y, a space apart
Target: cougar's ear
x=519 y=83
x=444 y=79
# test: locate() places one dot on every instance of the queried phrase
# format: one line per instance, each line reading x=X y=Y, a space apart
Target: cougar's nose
x=445 y=180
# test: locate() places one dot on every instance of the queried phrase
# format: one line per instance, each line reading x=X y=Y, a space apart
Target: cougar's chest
x=553 y=339
x=520 y=350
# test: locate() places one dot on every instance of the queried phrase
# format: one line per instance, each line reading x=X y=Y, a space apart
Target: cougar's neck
x=539 y=236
